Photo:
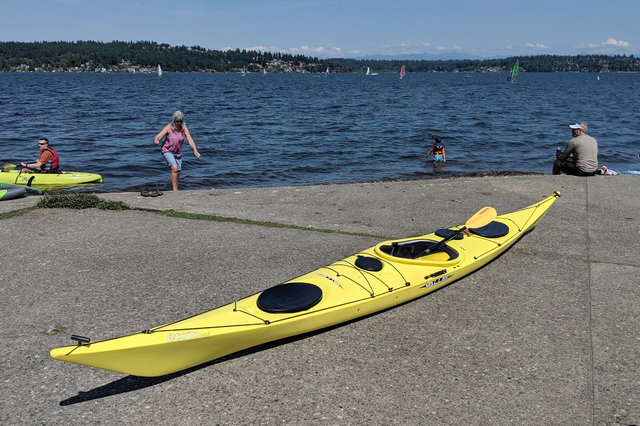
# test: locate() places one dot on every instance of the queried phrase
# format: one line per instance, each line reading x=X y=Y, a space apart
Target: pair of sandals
x=151 y=192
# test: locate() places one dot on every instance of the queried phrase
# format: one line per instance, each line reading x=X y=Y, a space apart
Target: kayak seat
x=288 y=298
x=414 y=249
x=492 y=230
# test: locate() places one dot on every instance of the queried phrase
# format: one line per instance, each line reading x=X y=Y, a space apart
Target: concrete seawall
x=546 y=334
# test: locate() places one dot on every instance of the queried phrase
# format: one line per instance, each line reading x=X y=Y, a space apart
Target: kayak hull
x=25 y=189
x=12 y=193
x=373 y=280
x=48 y=179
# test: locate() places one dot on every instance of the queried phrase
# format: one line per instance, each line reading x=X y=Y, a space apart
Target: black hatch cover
x=368 y=263
x=288 y=298
x=492 y=230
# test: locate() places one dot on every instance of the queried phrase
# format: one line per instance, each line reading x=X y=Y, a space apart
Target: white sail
x=159 y=71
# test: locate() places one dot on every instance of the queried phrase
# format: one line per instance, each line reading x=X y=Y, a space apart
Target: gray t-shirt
x=585 y=153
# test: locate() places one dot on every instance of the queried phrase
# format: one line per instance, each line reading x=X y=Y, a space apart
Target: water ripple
x=294 y=129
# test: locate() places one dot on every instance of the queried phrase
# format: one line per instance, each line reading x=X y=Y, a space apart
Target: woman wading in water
x=174 y=134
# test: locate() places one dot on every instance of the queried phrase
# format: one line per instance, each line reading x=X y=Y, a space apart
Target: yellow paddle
x=483 y=217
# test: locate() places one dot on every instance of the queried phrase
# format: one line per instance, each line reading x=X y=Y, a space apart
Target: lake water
x=296 y=129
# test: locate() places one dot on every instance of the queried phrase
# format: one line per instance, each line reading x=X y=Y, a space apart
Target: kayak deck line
x=391 y=273
x=520 y=227
x=267 y=322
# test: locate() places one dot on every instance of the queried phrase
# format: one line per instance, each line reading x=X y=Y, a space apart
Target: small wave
x=294 y=129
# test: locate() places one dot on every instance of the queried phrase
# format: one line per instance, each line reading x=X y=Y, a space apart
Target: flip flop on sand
x=155 y=193
x=145 y=193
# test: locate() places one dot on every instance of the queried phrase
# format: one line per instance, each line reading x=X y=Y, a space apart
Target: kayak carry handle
x=80 y=339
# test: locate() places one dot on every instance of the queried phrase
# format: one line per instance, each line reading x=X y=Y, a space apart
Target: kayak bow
x=380 y=277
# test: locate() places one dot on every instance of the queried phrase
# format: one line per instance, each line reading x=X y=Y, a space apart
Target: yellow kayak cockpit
x=423 y=250
x=415 y=251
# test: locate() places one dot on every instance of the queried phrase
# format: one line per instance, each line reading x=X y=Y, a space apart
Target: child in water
x=437 y=149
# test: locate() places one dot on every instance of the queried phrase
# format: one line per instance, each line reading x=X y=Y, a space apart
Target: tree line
x=123 y=56
x=120 y=56
x=538 y=63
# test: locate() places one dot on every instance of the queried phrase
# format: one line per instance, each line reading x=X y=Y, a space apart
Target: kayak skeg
x=62 y=178
x=378 y=278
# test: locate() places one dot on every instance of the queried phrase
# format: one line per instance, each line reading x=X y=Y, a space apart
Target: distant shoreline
x=118 y=56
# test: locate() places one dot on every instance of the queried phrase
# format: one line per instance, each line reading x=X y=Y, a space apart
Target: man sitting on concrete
x=580 y=157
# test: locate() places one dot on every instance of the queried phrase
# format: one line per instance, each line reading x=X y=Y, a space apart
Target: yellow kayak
x=388 y=274
x=48 y=179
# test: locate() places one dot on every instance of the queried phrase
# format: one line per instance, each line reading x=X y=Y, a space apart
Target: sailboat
x=403 y=72
x=370 y=73
x=327 y=71
x=264 y=71
x=244 y=71
x=514 y=72
x=159 y=71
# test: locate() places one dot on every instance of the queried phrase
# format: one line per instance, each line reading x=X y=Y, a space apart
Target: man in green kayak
x=48 y=161
x=580 y=157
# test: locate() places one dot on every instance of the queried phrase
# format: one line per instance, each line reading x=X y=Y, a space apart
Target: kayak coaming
x=63 y=178
x=348 y=292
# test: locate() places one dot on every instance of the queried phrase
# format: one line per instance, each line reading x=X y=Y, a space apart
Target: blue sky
x=339 y=28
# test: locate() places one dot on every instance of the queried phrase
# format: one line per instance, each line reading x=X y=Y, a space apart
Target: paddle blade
x=8 y=166
x=483 y=217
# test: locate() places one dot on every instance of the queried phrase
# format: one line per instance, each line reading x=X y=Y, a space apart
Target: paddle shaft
x=483 y=217
x=442 y=242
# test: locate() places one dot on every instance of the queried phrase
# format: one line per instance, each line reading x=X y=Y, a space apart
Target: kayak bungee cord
x=362 y=271
x=338 y=275
x=406 y=283
x=350 y=266
x=235 y=309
